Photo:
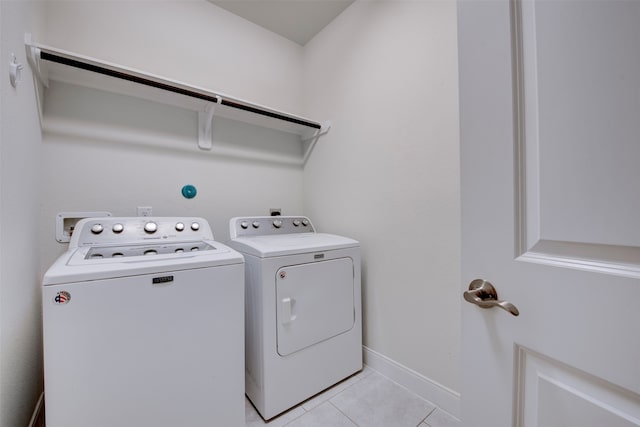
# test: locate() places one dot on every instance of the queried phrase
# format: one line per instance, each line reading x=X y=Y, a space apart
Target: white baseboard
x=441 y=396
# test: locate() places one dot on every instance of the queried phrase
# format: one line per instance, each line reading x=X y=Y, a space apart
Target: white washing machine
x=303 y=317
x=143 y=324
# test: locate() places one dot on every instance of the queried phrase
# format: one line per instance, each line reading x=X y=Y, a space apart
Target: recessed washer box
x=66 y=222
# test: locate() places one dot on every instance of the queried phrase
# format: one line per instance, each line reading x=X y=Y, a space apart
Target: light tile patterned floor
x=366 y=399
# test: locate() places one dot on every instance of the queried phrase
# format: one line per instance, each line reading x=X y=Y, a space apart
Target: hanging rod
x=221 y=100
x=120 y=75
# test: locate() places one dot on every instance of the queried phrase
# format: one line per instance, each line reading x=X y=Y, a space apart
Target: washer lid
x=289 y=244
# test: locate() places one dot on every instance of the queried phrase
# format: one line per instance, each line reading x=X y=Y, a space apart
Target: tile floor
x=366 y=399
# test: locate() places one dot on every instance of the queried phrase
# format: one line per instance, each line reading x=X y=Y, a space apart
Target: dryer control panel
x=269 y=225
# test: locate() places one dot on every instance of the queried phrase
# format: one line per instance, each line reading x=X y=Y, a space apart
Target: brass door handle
x=483 y=294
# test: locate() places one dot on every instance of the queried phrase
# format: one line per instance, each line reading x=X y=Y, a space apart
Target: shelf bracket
x=39 y=72
x=205 y=124
x=39 y=69
x=310 y=141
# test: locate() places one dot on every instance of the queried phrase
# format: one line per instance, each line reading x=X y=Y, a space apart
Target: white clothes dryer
x=143 y=327
x=303 y=316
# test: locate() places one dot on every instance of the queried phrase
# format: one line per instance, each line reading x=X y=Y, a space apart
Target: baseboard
x=37 y=417
x=441 y=396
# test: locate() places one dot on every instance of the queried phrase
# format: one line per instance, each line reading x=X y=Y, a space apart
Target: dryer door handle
x=287 y=310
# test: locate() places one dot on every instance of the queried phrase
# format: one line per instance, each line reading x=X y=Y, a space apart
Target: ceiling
x=296 y=20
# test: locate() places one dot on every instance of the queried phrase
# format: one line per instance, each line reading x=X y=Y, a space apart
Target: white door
x=550 y=134
x=315 y=303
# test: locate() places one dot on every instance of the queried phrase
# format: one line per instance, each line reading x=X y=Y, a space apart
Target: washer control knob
x=277 y=223
x=151 y=227
x=97 y=228
x=179 y=226
x=296 y=222
x=195 y=226
x=255 y=224
x=305 y=222
x=244 y=225
x=117 y=228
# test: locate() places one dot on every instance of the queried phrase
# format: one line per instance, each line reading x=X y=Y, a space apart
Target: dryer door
x=315 y=303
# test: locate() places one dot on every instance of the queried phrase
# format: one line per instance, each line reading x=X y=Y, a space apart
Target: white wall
x=112 y=152
x=385 y=74
x=186 y=40
x=20 y=319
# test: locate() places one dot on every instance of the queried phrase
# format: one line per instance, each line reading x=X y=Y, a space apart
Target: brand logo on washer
x=162 y=279
x=62 y=297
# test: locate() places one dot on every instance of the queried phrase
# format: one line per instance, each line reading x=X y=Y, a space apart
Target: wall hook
x=15 y=69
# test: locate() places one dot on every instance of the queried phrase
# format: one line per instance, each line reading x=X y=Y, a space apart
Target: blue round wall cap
x=189 y=191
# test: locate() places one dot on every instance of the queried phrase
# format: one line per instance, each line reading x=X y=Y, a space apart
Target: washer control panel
x=269 y=225
x=131 y=230
x=99 y=252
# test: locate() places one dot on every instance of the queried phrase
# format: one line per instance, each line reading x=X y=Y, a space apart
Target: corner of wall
x=21 y=379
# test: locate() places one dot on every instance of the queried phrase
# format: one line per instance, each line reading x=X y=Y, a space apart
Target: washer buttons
x=305 y=222
x=97 y=228
x=244 y=225
x=151 y=227
x=195 y=226
x=296 y=222
x=277 y=223
x=117 y=228
x=255 y=224
x=179 y=226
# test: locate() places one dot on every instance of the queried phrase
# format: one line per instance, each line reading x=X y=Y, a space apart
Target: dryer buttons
x=117 y=228
x=195 y=226
x=277 y=223
x=244 y=225
x=97 y=228
x=179 y=226
x=255 y=224
x=296 y=222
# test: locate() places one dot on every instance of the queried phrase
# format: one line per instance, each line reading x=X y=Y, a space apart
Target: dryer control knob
x=277 y=223
x=255 y=224
x=151 y=227
x=244 y=225
x=97 y=228
x=117 y=228
x=305 y=222
x=296 y=222
x=179 y=226
x=195 y=226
